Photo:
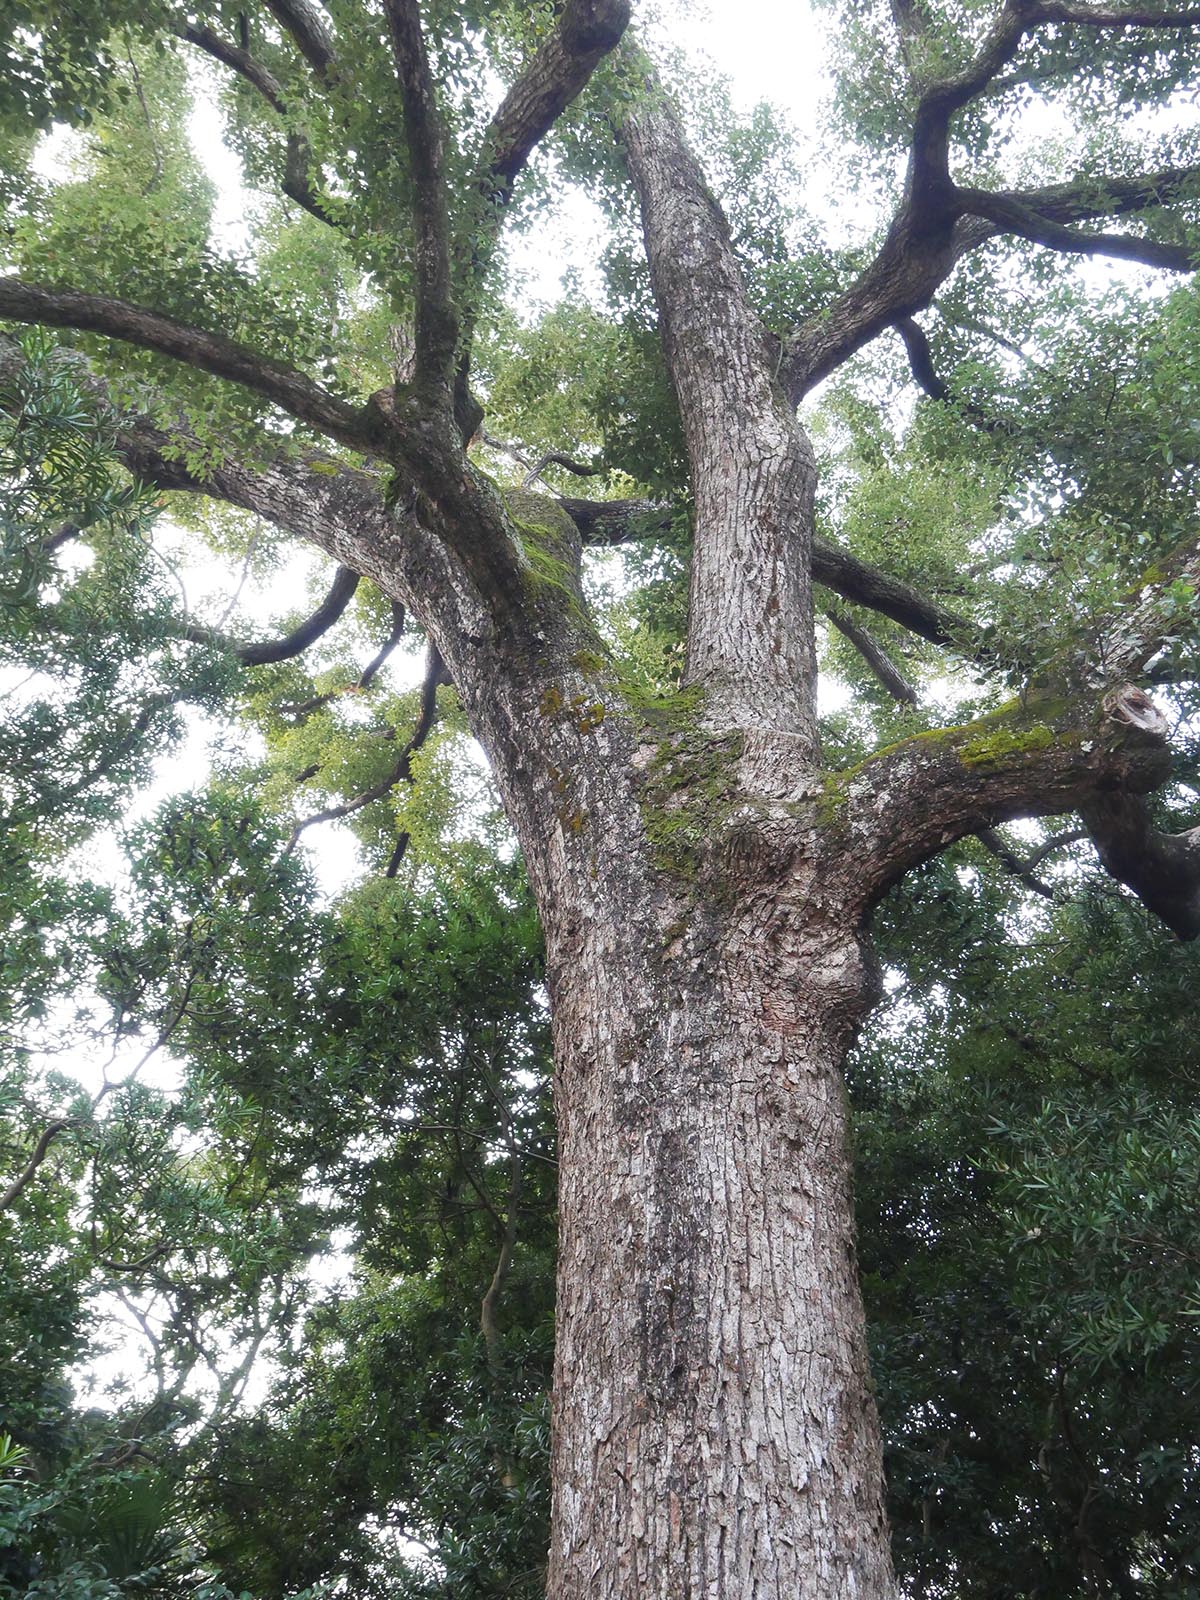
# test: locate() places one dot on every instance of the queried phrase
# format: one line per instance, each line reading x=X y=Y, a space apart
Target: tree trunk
x=715 y=1434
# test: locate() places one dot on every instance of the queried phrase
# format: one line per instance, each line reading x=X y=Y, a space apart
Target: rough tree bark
x=705 y=885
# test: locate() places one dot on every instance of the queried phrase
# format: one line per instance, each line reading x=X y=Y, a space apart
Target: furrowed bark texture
x=715 y=1435
x=750 y=631
x=704 y=888
x=714 y=1431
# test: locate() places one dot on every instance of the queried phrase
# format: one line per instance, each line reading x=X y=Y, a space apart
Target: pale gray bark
x=714 y=1430
x=750 y=627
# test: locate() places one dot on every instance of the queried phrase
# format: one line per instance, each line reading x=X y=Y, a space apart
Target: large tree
x=705 y=881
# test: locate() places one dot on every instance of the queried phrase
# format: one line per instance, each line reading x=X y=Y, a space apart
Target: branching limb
x=285 y=387
x=938 y=223
x=549 y=458
x=340 y=509
x=1077 y=748
x=920 y=361
x=37 y=1156
x=903 y=692
x=586 y=31
x=239 y=60
x=1011 y=214
x=297 y=176
x=995 y=844
x=1086 y=199
x=257 y=654
x=1034 y=759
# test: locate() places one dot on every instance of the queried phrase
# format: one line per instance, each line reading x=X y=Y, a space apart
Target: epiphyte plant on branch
x=704 y=875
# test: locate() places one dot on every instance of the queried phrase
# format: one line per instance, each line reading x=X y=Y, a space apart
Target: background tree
x=704 y=881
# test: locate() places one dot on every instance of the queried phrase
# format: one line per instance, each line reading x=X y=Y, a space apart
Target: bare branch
x=1119 y=16
x=259 y=654
x=241 y=61
x=1012 y=215
x=920 y=360
x=363 y=681
x=1057 y=841
x=307 y=29
x=867 y=586
x=549 y=458
x=875 y=656
x=435 y=676
x=368 y=674
x=556 y=458
x=995 y=844
x=436 y=319
x=294 y=393
x=38 y=1155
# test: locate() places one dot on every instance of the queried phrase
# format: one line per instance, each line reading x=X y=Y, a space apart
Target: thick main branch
x=299 y=396
x=437 y=320
x=750 y=626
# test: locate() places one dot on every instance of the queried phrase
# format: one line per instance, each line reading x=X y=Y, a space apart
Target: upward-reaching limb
x=750 y=627
x=308 y=30
x=297 y=177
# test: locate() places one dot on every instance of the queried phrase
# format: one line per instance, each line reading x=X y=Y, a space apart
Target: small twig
x=40 y=1151
x=414 y=1126
x=402 y=771
x=491 y=1299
